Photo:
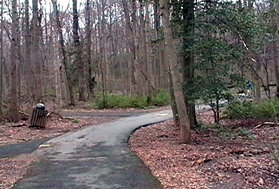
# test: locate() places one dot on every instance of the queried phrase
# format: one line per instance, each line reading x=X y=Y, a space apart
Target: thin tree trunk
x=64 y=55
x=275 y=23
x=257 y=80
x=132 y=46
x=14 y=110
x=35 y=55
x=78 y=51
x=91 y=78
x=175 y=69
x=29 y=70
x=1 y=58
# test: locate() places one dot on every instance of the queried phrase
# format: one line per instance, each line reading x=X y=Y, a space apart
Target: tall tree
x=1 y=57
x=14 y=109
x=36 y=57
x=91 y=77
x=188 y=60
x=27 y=53
x=78 y=51
x=176 y=75
x=130 y=26
x=275 y=24
x=64 y=55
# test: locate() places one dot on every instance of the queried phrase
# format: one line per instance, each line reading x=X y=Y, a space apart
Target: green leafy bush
x=161 y=98
x=113 y=101
x=76 y=121
x=265 y=110
x=240 y=110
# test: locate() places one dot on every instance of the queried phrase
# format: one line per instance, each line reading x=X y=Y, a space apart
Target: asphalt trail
x=96 y=157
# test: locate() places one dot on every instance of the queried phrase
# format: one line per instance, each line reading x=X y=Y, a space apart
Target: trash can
x=39 y=116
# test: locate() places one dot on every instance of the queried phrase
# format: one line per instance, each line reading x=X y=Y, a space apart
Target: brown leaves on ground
x=13 y=169
x=211 y=161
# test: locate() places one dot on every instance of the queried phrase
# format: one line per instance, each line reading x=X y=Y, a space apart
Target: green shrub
x=265 y=110
x=113 y=101
x=76 y=121
x=240 y=110
x=244 y=132
x=161 y=98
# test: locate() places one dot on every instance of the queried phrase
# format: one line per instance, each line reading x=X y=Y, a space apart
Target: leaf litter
x=211 y=161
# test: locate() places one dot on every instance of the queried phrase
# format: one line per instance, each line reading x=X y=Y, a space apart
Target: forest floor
x=238 y=155
x=13 y=167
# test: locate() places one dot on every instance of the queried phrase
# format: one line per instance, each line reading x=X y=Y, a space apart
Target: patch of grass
x=76 y=121
x=161 y=98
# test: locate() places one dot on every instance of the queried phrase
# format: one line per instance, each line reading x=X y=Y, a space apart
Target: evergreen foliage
x=224 y=38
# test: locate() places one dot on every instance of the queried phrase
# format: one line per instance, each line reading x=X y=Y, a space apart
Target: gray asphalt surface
x=94 y=158
x=21 y=148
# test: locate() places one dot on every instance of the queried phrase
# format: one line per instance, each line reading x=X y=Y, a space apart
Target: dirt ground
x=218 y=157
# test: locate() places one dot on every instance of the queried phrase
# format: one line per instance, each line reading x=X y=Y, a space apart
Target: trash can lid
x=40 y=106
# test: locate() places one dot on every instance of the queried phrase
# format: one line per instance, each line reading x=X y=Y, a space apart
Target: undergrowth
x=266 y=110
x=226 y=132
x=160 y=98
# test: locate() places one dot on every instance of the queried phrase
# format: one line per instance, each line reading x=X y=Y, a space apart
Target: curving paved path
x=94 y=158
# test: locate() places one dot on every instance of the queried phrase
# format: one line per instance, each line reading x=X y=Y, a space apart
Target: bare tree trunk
x=63 y=51
x=91 y=77
x=78 y=51
x=175 y=69
x=14 y=110
x=36 y=56
x=1 y=58
x=132 y=45
x=27 y=52
x=257 y=80
x=275 y=23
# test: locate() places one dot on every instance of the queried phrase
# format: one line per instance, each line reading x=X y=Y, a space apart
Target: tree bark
x=14 y=109
x=275 y=23
x=132 y=46
x=173 y=103
x=91 y=77
x=175 y=69
x=27 y=53
x=188 y=70
x=64 y=55
x=1 y=58
x=36 y=55
x=78 y=51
